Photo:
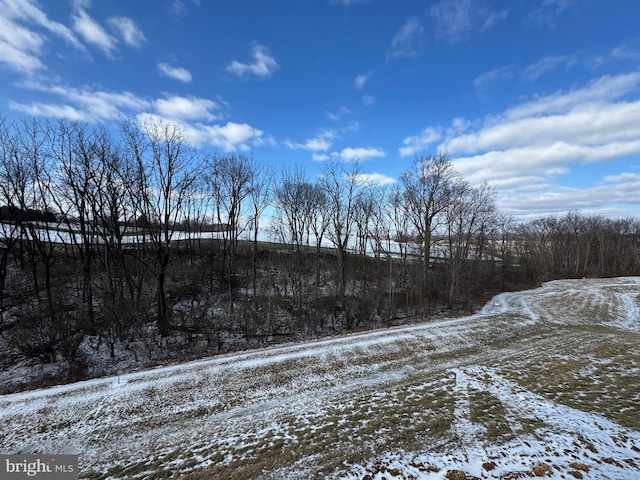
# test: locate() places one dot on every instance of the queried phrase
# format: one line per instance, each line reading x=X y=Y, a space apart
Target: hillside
x=540 y=382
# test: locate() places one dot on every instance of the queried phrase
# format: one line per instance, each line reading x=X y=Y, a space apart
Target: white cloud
x=28 y=11
x=229 y=137
x=566 y=126
x=21 y=36
x=592 y=200
x=415 y=144
x=82 y=103
x=547 y=12
x=176 y=73
x=533 y=71
x=20 y=48
x=623 y=178
x=603 y=89
x=493 y=17
x=493 y=75
x=453 y=20
x=186 y=108
x=374 y=179
x=352 y=126
x=128 y=30
x=590 y=124
x=179 y=7
x=338 y=114
x=38 y=109
x=408 y=40
x=624 y=52
x=368 y=100
x=320 y=143
x=347 y=3
x=360 y=80
x=320 y=157
x=458 y=127
x=263 y=64
x=92 y=32
x=531 y=147
x=350 y=154
x=516 y=161
x=24 y=29
x=190 y=113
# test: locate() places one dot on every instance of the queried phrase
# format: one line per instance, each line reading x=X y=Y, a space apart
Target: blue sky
x=540 y=98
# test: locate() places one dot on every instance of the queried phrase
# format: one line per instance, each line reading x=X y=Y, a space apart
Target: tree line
x=138 y=241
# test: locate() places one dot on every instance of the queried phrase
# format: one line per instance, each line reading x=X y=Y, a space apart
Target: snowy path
x=538 y=381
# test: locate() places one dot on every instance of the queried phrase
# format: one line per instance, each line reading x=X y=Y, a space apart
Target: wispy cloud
x=29 y=11
x=621 y=53
x=320 y=157
x=176 y=73
x=20 y=48
x=263 y=64
x=89 y=104
x=193 y=114
x=535 y=70
x=320 y=143
x=228 y=137
x=454 y=20
x=604 y=89
x=592 y=199
x=187 y=108
x=347 y=3
x=368 y=100
x=92 y=32
x=548 y=11
x=351 y=154
x=493 y=75
x=180 y=7
x=374 y=179
x=128 y=31
x=360 y=80
x=529 y=146
x=415 y=144
x=125 y=29
x=565 y=121
x=408 y=41
x=338 y=114
x=534 y=144
x=23 y=32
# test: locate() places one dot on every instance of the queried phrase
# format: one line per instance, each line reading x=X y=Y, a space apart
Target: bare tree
x=469 y=214
x=76 y=191
x=167 y=169
x=298 y=205
x=229 y=180
x=427 y=186
x=342 y=188
x=319 y=214
x=261 y=189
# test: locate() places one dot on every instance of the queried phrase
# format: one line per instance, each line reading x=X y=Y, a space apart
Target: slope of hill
x=538 y=383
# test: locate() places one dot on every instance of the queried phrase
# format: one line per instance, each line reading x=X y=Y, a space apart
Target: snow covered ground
x=538 y=383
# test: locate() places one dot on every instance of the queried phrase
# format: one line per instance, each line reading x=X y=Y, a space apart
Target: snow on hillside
x=537 y=383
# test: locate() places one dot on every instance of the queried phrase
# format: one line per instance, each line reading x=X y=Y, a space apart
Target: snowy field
x=539 y=383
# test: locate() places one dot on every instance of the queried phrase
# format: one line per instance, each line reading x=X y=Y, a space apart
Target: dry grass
x=348 y=433
x=488 y=411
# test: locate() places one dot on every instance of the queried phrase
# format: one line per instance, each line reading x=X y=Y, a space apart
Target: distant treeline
x=348 y=254
x=13 y=213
